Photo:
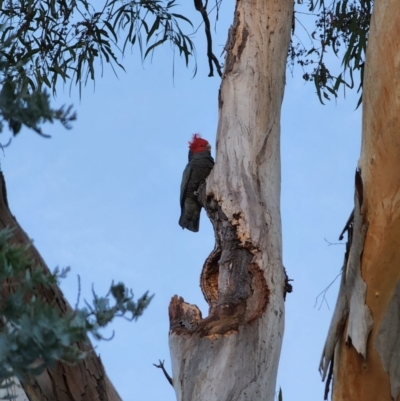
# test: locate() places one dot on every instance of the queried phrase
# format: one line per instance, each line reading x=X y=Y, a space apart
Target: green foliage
x=61 y=39
x=34 y=333
x=45 y=41
x=21 y=106
x=341 y=26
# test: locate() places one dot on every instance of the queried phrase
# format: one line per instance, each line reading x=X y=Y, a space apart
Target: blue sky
x=103 y=198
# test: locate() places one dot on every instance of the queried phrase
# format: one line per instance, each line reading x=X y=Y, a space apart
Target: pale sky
x=103 y=198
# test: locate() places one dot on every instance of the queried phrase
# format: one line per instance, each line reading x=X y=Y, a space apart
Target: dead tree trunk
x=233 y=353
x=363 y=348
x=86 y=381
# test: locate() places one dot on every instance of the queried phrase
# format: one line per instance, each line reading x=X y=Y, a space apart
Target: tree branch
x=161 y=366
x=198 y=4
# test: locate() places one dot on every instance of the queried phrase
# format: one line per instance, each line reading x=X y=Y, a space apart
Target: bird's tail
x=190 y=224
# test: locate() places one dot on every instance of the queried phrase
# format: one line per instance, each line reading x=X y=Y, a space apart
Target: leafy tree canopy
x=341 y=27
x=53 y=39
x=43 y=41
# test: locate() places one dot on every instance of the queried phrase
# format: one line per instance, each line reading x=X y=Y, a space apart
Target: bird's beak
x=208 y=147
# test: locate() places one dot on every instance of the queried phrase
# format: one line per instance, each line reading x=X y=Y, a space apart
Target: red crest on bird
x=198 y=144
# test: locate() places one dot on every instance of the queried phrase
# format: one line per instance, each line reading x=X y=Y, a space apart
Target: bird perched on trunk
x=196 y=171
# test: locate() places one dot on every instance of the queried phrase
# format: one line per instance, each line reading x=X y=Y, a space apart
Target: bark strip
x=351 y=318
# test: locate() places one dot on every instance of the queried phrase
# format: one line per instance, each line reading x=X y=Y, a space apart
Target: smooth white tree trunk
x=233 y=353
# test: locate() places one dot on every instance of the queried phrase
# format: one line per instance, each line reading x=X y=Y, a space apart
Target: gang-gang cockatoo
x=196 y=171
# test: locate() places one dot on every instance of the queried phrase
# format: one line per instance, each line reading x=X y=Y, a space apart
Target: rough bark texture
x=373 y=373
x=84 y=382
x=233 y=353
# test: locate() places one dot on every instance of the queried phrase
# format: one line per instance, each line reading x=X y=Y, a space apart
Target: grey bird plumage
x=197 y=170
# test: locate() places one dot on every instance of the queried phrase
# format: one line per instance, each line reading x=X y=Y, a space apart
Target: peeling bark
x=367 y=367
x=86 y=381
x=351 y=317
x=232 y=354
